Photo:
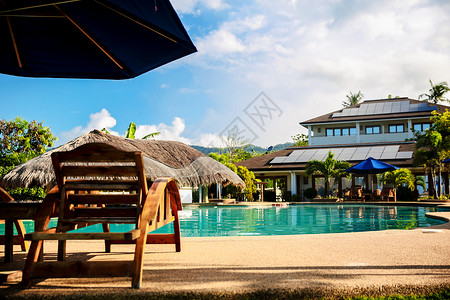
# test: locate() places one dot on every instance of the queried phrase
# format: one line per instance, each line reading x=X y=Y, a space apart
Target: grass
x=380 y=293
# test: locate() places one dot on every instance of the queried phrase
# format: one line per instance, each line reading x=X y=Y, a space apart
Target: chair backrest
x=4 y=196
x=100 y=183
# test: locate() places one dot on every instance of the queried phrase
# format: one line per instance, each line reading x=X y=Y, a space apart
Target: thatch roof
x=186 y=165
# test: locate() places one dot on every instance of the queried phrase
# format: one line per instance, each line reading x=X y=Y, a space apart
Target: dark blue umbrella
x=447 y=161
x=108 y=39
x=371 y=166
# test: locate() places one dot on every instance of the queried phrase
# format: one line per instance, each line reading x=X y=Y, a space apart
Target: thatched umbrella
x=186 y=165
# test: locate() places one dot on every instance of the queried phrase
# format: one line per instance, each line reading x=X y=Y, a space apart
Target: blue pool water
x=295 y=219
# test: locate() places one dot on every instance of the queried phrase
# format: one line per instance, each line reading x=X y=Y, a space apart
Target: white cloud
x=99 y=120
x=308 y=56
x=192 y=6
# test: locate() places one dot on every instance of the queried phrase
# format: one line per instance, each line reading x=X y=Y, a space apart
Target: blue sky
x=304 y=56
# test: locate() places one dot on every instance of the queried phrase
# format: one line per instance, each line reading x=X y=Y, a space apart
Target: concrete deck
x=389 y=260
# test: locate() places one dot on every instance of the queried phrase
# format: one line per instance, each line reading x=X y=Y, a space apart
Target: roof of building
x=399 y=154
x=380 y=109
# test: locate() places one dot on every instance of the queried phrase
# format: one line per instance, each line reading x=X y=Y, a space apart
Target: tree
x=329 y=168
x=300 y=139
x=399 y=177
x=436 y=93
x=21 y=140
x=353 y=99
x=433 y=146
x=235 y=144
x=246 y=175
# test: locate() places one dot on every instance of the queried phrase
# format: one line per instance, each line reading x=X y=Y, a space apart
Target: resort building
x=374 y=128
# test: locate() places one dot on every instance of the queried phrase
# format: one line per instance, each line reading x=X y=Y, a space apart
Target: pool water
x=294 y=219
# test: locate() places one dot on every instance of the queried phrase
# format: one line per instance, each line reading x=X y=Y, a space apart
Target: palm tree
x=399 y=177
x=436 y=93
x=329 y=168
x=353 y=99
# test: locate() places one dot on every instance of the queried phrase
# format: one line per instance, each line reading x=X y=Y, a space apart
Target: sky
x=262 y=67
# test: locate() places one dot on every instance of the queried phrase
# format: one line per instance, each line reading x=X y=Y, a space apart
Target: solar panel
x=362 y=110
x=297 y=152
x=387 y=107
x=370 y=109
x=291 y=159
x=375 y=152
x=379 y=108
x=404 y=155
x=347 y=153
x=278 y=160
x=391 y=148
x=388 y=155
x=360 y=153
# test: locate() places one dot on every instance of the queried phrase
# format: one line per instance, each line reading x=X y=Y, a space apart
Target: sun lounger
x=98 y=183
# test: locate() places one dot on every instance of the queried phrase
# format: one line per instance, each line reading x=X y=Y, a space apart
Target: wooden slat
x=130 y=235
x=105 y=212
x=104 y=199
x=100 y=220
x=72 y=269
x=102 y=185
x=88 y=171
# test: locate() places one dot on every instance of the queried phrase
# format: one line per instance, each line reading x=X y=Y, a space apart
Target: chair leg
x=32 y=257
x=107 y=243
x=61 y=250
x=138 y=263
x=21 y=233
x=176 y=229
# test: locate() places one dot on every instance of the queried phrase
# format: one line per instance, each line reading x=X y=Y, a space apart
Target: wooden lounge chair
x=387 y=194
x=98 y=183
x=356 y=193
x=9 y=239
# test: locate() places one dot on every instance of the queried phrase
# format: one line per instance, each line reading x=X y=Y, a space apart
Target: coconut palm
x=436 y=93
x=353 y=99
x=329 y=168
x=399 y=177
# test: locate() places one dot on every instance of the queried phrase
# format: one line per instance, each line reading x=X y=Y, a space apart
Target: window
x=421 y=126
x=372 y=129
x=340 y=131
x=396 y=128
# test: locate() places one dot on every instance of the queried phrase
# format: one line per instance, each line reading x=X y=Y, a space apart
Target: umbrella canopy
x=447 y=161
x=371 y=166
x=108 y=39
x=161 y=158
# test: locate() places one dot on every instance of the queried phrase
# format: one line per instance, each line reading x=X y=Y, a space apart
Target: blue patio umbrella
x=447 y=161
x=104 y=39
x=371 y=166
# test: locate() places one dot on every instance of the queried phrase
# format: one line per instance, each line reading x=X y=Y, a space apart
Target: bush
x=296 y=198
x=405 y=194
x=287 y=196
x=270 y=196
x=33 y=194
x=310 y=193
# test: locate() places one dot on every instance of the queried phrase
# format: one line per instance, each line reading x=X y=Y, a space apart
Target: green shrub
x=310 y=193
x=34 y=194
x=296 y=198
x=270 y=196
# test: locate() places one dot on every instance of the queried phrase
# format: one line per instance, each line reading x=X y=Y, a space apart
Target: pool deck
x=391 y=260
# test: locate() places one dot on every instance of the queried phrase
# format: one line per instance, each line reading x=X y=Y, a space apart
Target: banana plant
x=131 y=131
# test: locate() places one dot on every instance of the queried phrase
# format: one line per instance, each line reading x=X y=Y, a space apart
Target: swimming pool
x=294 y=219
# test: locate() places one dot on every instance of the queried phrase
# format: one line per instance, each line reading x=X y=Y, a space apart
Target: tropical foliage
x=433 y=146
x=131 y=131
x=329 y=168
x=20 y=141
x=436 y=93
x=300 y=139
x=353 y=99
x=399 y=177
x=247 y=176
